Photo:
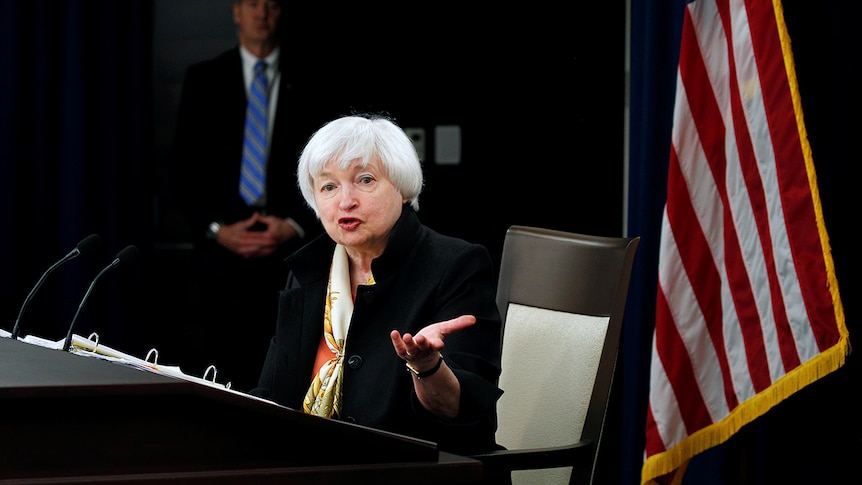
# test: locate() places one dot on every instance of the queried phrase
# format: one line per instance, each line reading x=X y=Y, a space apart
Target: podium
x=73 y=419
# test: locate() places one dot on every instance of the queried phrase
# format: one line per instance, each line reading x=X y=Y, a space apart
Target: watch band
x=426 y=373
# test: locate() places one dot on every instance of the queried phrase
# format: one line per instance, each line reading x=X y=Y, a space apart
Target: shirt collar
x=249 y=60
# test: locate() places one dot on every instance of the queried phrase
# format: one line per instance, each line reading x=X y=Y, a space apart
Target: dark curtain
x=655 y=34
x=75 y=138
x=813 y=436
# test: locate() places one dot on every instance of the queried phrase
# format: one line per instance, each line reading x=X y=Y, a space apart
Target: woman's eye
x=365 y=179
x=327 y=187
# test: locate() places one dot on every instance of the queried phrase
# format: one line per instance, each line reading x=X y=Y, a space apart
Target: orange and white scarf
x=324 y=395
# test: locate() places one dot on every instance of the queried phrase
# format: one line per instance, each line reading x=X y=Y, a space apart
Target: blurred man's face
x=257 y=20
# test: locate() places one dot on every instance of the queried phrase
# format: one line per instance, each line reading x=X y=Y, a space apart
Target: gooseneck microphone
x=86 y=246
x=127 y=255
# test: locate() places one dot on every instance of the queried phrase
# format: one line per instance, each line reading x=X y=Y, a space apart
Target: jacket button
x=354 y=361
x=350 y=419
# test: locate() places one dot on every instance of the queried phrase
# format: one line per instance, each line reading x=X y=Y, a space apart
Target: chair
x=562 y=297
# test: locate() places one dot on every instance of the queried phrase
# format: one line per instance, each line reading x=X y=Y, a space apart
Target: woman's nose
x=346 y=196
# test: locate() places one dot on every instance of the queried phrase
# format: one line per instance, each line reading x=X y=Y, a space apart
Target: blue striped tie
x=253 y=172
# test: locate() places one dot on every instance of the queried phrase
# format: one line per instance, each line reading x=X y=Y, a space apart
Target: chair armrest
x=536 y=458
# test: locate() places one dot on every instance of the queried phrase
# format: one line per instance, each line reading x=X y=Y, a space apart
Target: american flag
x=748 y=310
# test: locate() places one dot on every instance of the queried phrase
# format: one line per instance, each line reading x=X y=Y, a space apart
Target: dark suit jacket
x=421 y=278
x=207 y=149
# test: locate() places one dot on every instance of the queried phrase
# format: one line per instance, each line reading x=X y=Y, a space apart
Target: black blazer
x=207 y=149
x=421 y=278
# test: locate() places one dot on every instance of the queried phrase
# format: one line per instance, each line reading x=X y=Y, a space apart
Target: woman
x=384 y=322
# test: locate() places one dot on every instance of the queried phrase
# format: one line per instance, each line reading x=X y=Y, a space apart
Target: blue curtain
x=655 y=34
x=75 y=132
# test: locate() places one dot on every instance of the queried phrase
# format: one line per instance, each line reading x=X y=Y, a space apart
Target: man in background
x=236 y=188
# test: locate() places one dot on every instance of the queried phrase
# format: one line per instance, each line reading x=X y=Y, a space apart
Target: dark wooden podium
x=68 y=418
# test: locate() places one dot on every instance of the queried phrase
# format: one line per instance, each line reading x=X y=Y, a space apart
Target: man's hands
x=240 y=239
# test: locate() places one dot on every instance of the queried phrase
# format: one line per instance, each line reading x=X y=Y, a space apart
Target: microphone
x=86 y=246
x=127 y=255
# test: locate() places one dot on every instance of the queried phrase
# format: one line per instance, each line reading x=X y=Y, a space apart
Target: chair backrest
x=562 y=297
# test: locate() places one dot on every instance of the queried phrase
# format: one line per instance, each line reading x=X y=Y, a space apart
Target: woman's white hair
x=361 y=139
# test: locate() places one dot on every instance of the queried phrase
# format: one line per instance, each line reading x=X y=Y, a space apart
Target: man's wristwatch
x=213 y=229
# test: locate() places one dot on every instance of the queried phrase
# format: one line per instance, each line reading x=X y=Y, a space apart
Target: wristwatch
x=427 y=373
x=213 y=229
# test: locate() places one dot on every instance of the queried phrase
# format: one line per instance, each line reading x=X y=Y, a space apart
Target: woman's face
x=357 y=206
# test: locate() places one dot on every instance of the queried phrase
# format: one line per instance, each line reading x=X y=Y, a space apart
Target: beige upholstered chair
x=562 y=297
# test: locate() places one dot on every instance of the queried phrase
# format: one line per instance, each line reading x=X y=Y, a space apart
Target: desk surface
x=74 y=419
